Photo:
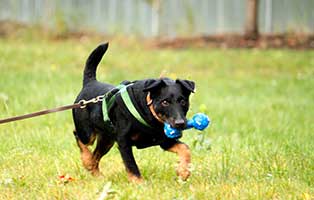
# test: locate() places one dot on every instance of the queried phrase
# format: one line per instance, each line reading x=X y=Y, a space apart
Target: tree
x=251 y=26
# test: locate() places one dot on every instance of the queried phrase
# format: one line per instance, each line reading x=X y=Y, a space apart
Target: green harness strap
x=107 y=103
x=128 y=103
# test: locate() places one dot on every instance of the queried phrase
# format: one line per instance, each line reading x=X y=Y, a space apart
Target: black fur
x=170 y=101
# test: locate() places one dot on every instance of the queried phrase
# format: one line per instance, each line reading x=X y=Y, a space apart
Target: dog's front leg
x=183 y=151
x=126 y=152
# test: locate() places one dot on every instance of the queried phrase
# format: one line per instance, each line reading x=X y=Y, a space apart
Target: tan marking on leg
x=134 y=179
x=88 y=160
x=183 y=151
x=92 y=139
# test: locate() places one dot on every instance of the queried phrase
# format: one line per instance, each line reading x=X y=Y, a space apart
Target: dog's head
x=170 y=99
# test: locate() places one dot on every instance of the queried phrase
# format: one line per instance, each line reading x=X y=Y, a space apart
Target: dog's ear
x=186 y=84
x=152 y=84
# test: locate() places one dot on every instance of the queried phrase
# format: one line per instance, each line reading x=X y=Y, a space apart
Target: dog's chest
x=142 y=140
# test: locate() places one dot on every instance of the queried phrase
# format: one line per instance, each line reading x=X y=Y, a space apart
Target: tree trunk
x=251 y=27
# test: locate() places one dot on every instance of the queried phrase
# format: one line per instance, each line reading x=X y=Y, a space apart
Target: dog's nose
x=179 y=123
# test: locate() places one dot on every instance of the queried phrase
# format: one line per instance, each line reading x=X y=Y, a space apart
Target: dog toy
x=199 y=121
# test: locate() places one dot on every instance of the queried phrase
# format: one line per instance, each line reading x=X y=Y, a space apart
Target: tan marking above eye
x=135 y=136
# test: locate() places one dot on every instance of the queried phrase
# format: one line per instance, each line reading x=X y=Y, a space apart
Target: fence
x=160 y=17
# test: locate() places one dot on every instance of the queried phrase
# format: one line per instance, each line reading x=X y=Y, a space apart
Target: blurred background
x=158 y=18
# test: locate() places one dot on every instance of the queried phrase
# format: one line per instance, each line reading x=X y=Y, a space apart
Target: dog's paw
x=183 y=173
x=96 y=173
x=135 y=179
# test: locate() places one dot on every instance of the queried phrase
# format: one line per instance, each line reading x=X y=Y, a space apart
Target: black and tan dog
x=155 y=100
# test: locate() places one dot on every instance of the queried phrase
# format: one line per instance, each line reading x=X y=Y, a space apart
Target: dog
x=156 y=101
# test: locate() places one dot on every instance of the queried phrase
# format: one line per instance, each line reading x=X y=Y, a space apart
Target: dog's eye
x=165 y=103
x=183 y=102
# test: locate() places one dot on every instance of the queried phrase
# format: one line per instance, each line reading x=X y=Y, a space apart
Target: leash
x=81 y=104
x=102 y=98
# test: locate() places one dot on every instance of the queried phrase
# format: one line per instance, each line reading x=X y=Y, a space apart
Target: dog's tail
x=92 y=63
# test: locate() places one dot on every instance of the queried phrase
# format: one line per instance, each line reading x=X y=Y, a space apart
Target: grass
x=260 y=144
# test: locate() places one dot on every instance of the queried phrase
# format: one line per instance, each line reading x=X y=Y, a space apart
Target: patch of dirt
x=293 y=41
x=12 y=29
x=8 y=27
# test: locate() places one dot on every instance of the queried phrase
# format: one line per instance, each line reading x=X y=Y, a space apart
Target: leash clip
x=82 y=103
x=97 y=99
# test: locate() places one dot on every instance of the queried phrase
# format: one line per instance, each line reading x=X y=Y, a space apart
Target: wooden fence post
x=251 y=26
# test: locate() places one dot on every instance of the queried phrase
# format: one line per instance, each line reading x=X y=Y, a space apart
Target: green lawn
x=259 y=146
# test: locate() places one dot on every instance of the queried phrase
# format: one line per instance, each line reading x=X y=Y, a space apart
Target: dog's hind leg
x=104 y=144
x=86 y=155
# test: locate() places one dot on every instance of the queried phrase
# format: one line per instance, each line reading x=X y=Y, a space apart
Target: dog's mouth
x=179 y=124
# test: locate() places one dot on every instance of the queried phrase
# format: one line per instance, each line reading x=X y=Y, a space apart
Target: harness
x=109 y=99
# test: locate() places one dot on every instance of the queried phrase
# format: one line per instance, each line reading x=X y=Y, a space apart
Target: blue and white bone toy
x=199 y=121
